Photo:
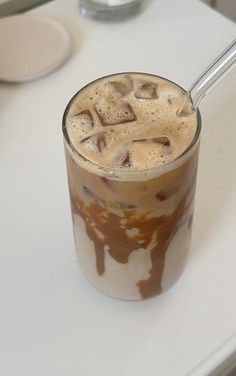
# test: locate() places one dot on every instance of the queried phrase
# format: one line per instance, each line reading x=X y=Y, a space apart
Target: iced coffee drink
x=132 y=165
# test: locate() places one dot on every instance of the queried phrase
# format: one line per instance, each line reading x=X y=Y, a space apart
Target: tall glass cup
x=132 y=231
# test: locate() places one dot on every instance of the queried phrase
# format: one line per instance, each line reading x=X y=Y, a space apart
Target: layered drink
x=132 y=166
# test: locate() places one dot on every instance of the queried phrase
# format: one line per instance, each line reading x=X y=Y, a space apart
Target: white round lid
x=31 y=46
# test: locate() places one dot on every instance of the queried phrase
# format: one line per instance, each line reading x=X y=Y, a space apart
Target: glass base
x=106 y=12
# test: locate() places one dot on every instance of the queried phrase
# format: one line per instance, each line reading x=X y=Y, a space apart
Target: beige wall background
x=227 y=7
x=8 y=7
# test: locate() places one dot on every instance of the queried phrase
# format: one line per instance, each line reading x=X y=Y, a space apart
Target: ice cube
x=125 y=160
x=121 y=157
x=82 y=119
x=93 y=196
x=166 y=193
x=96 y=142
x=114 y=112
x=147 y=91
x=186 y=107
x=163 y=140
x=119 y=88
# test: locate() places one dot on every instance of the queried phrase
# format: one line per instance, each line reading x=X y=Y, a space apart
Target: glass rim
x=129 y=2
x=123 y=171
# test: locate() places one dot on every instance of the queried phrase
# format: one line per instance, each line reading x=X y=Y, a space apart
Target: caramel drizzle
x=105 y=229
x=167 y=226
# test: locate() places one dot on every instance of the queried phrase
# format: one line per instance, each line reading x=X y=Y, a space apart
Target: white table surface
x=52 y=322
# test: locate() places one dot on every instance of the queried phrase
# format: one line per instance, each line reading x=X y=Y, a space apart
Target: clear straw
x=208 y=79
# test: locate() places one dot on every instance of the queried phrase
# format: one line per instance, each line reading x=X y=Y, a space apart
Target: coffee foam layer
x=129 y=122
